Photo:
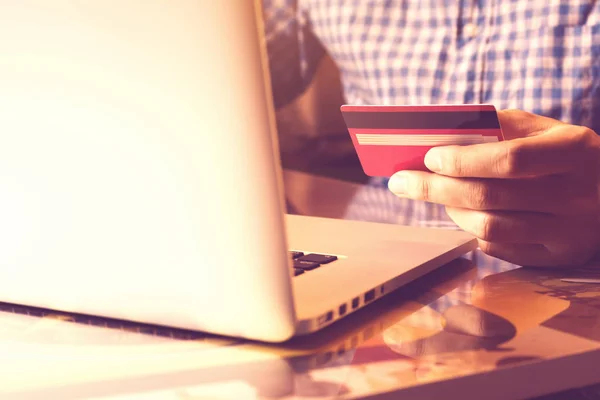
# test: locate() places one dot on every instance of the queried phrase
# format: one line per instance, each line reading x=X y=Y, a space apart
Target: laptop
x=140 y=178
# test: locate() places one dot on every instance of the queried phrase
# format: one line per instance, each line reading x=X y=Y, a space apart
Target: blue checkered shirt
x=541 y=56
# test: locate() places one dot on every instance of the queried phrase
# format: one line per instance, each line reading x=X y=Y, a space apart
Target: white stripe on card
x=422 y=140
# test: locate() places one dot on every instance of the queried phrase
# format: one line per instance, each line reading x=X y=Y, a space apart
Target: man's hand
x=531 y=200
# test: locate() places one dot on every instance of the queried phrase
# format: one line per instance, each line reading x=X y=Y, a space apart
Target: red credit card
x=389 y=139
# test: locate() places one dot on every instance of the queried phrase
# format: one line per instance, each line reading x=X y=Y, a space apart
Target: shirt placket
x=486 y=60
x=470 y=44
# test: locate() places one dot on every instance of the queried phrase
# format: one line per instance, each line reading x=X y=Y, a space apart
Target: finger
x=519 y=124
x=560 y=149
x=506 y=227
x=469 y=320
x=523 y=254
x=485 y=194
x=535 y=255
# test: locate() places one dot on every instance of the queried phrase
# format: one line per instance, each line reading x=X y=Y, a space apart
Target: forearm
x=311 y=129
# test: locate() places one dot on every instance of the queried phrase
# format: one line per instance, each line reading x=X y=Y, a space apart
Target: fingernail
x=433 y=160
x=397 y=183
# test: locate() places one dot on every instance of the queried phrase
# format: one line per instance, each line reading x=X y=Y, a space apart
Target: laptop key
x=305 y=265
x=298 y=271
x=296 y=254
x=318 y=258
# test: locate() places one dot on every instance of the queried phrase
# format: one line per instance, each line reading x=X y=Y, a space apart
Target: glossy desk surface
x=476 y=329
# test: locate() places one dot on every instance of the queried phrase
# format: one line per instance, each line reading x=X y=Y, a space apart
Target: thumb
x=517 y=124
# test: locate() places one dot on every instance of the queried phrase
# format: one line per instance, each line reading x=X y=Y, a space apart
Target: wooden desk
x=476 y=329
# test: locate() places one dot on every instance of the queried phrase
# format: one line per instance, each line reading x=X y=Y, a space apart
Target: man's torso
x=539 y=56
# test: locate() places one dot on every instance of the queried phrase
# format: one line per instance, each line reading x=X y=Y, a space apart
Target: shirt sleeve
x=293 y=50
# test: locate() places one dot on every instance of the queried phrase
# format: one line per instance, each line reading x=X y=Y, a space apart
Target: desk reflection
x=457 y=322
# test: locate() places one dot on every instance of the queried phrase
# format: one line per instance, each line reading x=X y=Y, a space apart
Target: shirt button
x=470 y=30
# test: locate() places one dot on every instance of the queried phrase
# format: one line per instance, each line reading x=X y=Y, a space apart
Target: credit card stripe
x=416 y=144
x=482 y=140
x=477 y=139
x=422 y=108
x=422 y=140
x=422 y=120
x=431 y=144
x=485 y=132
x=367 y=136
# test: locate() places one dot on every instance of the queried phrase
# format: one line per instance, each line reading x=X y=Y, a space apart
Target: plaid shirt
x=541 y=56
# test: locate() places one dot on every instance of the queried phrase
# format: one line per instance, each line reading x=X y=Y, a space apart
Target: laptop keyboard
x=309 y=262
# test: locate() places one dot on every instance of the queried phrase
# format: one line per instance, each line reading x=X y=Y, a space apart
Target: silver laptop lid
x=137 y=177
